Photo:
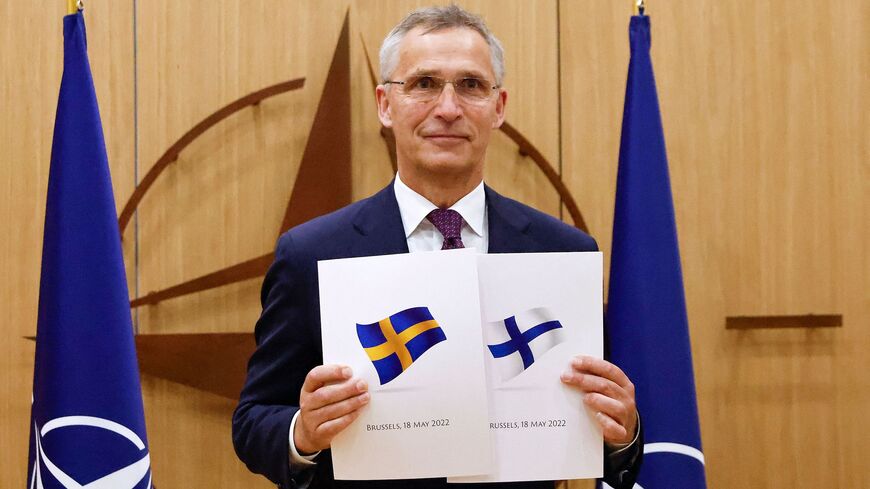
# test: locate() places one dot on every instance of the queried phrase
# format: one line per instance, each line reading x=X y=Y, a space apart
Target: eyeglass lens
x=427 y=87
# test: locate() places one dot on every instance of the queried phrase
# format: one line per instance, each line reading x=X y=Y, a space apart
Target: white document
x=538 y=311
x=409 y=325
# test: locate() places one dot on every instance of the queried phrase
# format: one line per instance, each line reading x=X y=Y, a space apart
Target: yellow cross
x=396 y=342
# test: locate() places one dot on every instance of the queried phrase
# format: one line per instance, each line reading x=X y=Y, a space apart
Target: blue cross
x=519 y=342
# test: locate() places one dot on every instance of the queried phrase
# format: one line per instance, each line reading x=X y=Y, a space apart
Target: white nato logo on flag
x=126 y=477
x=518 y=341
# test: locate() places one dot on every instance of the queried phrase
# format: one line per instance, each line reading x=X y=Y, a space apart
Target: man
x=441 y=94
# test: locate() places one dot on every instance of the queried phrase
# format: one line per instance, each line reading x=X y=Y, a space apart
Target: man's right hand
x=330 y=400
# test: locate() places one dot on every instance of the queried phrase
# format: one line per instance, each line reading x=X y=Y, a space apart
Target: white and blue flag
x=517 y=341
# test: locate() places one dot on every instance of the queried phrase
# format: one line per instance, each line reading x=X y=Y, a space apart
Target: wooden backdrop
x=765 y=113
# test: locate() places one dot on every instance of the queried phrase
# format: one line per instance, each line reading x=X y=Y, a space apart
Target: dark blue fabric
x=85 y=361
x=646 y=311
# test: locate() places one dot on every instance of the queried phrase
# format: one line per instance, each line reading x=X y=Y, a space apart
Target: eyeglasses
x=426 y=88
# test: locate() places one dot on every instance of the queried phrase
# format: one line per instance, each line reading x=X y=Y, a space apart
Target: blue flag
x=87 y=421
x=394 y=343
x=646 y=310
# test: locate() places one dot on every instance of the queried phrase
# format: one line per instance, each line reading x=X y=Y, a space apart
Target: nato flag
x=87 y=421
x=646 y=311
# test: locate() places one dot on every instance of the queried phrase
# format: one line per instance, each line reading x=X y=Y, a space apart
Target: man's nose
x=447 y=105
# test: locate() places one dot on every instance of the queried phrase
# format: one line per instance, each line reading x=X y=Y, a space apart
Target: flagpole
x=639 y=7
x=73 y=6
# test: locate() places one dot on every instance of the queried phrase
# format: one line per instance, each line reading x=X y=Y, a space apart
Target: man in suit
x=441 y=94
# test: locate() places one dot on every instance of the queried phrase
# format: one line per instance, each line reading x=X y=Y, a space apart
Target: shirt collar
x=414 y=207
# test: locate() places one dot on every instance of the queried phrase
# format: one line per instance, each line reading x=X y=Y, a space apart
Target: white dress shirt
x=422 y=234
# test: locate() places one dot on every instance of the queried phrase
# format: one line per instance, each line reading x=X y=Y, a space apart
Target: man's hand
x=609 y=393
x=330 y=400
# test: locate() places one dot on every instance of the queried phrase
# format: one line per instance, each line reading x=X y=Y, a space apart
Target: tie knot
x=449 y=224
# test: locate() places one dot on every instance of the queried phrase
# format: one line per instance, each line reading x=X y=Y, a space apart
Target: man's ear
x=383 y=106
x=499 y=108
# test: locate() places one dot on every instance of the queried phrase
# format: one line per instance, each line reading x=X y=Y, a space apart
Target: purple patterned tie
x=449 y=223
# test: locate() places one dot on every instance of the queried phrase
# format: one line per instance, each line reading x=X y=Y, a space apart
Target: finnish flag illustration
x=517 y=341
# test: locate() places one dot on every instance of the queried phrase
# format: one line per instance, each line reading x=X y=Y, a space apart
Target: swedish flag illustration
x=394 y=343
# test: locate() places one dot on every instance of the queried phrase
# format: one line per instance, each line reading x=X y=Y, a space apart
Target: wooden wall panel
x=529 y=33
x=31 y=59
x=764 y=112
x=223 y=201
x=190 y=440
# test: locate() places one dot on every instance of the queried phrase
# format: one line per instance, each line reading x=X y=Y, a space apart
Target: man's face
x=447 y=136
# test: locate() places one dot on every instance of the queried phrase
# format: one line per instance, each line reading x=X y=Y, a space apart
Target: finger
x=612 y=431
x=324 y=374
x=594 y=383
x=331 y=394
x=601 y=368
x=330 y=429
x=339 y=409
x=614 y=409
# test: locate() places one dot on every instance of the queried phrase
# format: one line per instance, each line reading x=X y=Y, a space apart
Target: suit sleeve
x=621 y=469
x=286 y=351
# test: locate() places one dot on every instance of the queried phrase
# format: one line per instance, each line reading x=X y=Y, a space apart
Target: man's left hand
x=609 y=393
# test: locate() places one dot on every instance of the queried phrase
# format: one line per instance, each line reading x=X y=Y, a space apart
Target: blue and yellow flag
x=394 y=343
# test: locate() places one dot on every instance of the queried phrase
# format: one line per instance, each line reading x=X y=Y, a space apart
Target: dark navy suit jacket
x=288 y=331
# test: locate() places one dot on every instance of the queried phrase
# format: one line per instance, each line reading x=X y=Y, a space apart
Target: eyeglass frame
x=452 y=82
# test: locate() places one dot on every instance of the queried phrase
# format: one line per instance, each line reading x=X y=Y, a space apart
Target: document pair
x=463 y=354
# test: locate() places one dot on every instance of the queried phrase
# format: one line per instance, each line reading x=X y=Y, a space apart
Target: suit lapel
x=508 y=225
x=379 y=225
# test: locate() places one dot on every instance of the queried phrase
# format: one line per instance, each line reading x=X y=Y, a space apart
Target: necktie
x=449 y=223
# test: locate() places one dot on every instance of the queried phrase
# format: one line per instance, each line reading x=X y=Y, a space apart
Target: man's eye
x=424 y=83
x=471 y=84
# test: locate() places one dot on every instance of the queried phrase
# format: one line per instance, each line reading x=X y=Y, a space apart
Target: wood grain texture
x=31 y=58
x=210 y=362
x=191 y=440
x=764 y=109
x=224 y=199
